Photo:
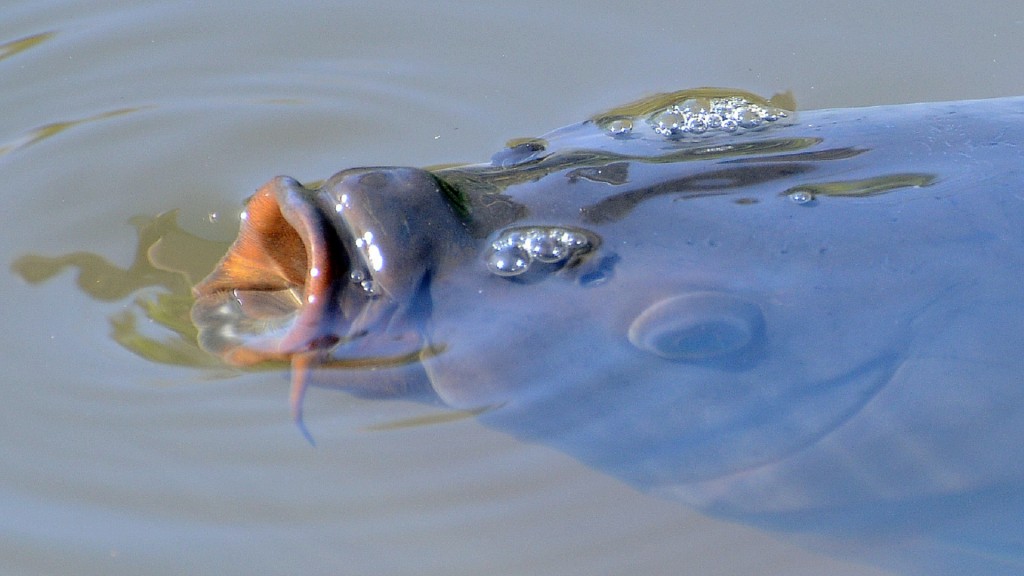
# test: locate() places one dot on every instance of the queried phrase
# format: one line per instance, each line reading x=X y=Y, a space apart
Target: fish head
x=689 y=341
x=333 y=276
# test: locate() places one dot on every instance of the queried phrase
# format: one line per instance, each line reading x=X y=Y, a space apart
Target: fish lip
x=329 y=256
x=280 y=214
x=342 y=270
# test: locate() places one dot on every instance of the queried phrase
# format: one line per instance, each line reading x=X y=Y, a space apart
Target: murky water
x=113 y=464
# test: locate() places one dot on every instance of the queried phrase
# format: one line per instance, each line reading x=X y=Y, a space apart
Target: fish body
x=765 y=314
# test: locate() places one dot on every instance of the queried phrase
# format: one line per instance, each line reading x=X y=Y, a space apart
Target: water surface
x=114 y=464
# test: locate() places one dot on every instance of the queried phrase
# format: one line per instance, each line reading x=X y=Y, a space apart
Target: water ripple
x=54 y=128
x=21 y=44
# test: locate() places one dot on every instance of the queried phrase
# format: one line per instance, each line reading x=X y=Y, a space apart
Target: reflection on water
x=166 y=258
x=13 y=47
x=54 y=128
x=860 y=188
x=693 y=113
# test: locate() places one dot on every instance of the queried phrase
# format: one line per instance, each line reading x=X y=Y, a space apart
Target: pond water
x=114 y=464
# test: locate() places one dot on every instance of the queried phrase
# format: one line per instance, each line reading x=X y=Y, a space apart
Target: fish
x=810 y=321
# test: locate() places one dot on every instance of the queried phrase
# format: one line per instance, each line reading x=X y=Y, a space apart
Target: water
x=117 y=465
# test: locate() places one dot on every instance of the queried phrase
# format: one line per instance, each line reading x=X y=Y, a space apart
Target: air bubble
x=747 y=117
x=696 y=125
x=544 y=247
x=696 y=116
x=801 y=196
x=569 y=238
x=668 y=123
x=508 y=259
x=551 y=247
x=620 y=127
x=364 y=281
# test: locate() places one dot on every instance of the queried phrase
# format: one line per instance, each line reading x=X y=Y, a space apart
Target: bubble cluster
x=518 y=249
x=695 y=116
x=364 y=281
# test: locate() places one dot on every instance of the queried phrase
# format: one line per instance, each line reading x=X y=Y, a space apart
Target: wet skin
x=822 y=312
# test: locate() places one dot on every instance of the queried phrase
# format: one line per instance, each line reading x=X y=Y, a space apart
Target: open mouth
x=284 y=286
x=306 y=282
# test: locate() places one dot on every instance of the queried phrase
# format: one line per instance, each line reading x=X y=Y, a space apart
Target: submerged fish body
x=758 y=312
